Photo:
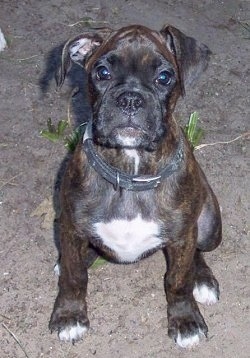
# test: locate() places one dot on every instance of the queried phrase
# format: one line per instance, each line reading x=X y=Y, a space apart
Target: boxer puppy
x=133 y=185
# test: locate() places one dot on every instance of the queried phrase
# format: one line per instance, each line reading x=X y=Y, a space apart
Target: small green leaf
x=53 y=137
x=100 y=261
x=62 y=125
x=192 y=131
x=54 y=133
x=51 y=127
x=73 y=139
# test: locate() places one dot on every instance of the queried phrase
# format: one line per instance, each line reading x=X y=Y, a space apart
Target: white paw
x=188 y=342
x=72 y=333
x=57 y=269
x=205 y=295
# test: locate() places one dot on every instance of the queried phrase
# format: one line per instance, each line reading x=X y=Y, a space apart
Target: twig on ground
x=244 y=135
x=16 y=339
x=9 y=181
x=5 y=317
x=26 y=58
x=87 y=21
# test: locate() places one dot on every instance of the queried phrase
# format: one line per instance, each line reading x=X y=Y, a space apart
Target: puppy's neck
x=134 y=156
x=131 y=161
x=139 y=161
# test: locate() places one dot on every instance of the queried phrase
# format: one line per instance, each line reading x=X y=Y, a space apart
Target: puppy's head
x=135 y=78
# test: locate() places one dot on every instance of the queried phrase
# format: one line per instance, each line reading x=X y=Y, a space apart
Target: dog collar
x=123 y=180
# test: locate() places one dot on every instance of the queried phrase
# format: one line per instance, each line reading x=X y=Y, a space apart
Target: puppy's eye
x=103 y=73
x=164 y=78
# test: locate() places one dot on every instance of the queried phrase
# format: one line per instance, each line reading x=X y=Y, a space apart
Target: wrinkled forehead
x=136 y=46
x=138 y=41
x=134 y=57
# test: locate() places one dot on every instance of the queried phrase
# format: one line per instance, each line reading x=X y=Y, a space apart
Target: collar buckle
x=155 y=180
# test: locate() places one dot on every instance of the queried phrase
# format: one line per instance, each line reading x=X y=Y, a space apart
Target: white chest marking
x=126 y=141
x=129 y=239
x=132 y=153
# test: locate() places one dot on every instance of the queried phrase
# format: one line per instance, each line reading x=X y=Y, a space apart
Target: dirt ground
x=127 y=307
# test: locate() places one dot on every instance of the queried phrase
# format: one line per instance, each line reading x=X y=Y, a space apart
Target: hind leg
x=209 y=223
x=206 y=288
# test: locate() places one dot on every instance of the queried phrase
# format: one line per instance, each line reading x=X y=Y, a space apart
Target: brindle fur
x=184 y=203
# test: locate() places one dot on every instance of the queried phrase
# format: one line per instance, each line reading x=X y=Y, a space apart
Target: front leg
x=69 y=316
x=185 y=322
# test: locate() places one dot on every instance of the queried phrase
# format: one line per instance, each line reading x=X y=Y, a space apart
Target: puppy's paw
x=186 y=325
x=69 y=324
x=205 y=294
x=189 y=341
x=72 y=333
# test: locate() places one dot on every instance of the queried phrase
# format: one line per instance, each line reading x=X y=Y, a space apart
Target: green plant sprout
x=192 y=131
x=57 y=134
x=98 y=262
x=53 y=133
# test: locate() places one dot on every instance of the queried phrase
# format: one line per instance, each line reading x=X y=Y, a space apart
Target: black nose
x=130 y=102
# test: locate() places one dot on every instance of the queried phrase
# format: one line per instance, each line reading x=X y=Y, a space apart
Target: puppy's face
x=132 y=86
x=135 y=78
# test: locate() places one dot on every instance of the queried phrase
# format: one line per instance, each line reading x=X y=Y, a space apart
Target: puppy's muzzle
x=130 y=102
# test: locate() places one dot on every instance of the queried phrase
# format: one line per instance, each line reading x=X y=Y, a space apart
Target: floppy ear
x=78 y=50
x=191 y=56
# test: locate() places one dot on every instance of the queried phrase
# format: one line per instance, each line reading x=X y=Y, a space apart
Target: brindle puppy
x=133 y=185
